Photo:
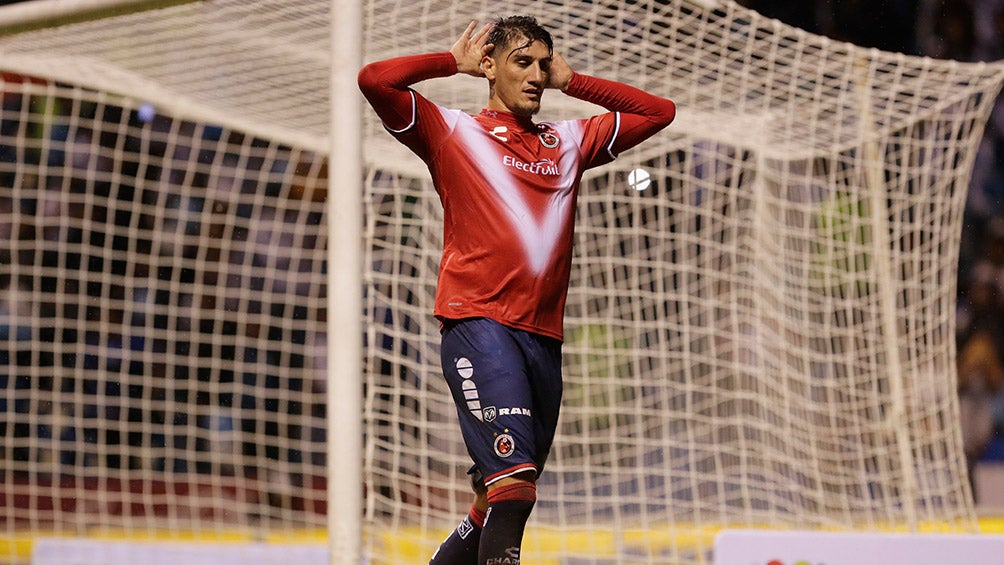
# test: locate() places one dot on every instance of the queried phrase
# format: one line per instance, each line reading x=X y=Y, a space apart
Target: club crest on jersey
x=548 y=139
x=504 y=445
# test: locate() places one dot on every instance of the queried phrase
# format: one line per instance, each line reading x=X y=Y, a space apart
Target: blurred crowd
x=168 y=276
x=964 y=30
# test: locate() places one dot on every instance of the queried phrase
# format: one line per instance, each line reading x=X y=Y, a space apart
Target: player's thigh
x=544 y=362
x=485 y=369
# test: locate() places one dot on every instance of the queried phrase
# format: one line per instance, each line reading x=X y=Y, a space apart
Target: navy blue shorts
x=506 y=384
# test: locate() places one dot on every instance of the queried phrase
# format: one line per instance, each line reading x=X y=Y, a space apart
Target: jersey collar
x=524 y=122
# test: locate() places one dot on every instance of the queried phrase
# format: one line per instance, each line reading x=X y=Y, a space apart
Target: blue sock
x=461 y=546
x=509 y=508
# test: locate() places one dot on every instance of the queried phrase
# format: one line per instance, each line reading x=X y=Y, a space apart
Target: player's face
x=518 y=75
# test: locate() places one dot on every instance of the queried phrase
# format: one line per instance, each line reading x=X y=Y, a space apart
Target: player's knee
x=513 y=489
x=481 y=502
x=478 y=483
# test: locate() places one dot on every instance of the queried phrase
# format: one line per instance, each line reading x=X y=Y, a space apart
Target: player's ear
x=488 y=67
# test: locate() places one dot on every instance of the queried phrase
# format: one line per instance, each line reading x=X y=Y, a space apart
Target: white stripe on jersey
x=539 y=239
x=414 y=116
x=617 y=130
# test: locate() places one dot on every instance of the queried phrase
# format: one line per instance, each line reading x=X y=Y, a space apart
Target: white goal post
x=762 y=337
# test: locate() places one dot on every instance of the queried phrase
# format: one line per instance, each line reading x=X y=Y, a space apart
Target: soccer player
x=508 y=187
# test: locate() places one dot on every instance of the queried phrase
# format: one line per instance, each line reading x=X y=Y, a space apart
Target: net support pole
x=344 y=297
x=885 y=274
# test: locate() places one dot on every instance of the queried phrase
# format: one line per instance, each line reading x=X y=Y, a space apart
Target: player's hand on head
x=560 y=72
x=470 y=48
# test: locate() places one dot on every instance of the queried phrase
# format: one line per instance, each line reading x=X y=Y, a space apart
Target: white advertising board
x=82 y=551
x=766 y=547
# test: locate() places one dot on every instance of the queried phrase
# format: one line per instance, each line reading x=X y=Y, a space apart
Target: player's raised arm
x=642 y=114
x=387 y=84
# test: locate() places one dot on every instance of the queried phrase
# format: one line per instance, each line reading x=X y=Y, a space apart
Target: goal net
x=763 y=337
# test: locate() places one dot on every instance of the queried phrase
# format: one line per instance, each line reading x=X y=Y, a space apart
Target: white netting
x=761 y=338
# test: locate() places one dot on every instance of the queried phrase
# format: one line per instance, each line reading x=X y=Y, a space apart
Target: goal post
x=345 y=283
x=760 y=336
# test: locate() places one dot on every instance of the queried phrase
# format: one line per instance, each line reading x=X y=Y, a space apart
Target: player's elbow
x=666 y=114
x=376 y=80
x=368 y=80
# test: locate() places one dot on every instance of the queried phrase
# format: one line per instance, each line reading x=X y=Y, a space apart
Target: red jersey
x=508 y=186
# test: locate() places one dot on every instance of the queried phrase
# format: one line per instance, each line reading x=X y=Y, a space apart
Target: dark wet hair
x=507 y=31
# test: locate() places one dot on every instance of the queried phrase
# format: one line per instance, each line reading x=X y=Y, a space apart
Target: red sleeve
x=387 y=85
x=642 y=115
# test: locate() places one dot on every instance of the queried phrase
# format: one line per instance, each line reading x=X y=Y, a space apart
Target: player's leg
x=485 y=367
x=511 y=498
x=510 y=502
x=461 y=546
x=546 y=386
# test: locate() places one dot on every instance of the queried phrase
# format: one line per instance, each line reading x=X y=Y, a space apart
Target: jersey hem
x=443 y=320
